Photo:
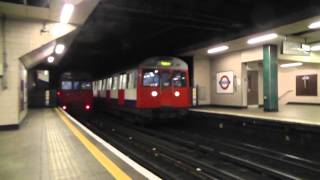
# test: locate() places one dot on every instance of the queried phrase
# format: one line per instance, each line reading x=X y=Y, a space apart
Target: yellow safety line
x=111 y=167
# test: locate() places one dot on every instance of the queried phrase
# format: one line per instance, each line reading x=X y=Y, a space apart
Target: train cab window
x=179 y=79
x=165 y=78
x=66 y=85
x=76 y=85
x=151 y=78
x=86 y=85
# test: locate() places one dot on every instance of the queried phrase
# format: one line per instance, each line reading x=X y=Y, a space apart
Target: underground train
x=156 y=89
x=75 y=91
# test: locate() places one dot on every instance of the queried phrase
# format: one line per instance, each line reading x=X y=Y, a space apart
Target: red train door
x=166 y=89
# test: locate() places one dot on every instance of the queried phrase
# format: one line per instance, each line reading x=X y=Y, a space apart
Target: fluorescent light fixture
x=217 y=49
x=314 y=25
x=306 y=47
x=262 y=38
x=315 y=47
x=59 y=49
x=291 y=65
x=50 y=59
x=66 y=13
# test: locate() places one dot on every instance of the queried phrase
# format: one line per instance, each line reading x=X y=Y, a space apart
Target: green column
x=270 y=78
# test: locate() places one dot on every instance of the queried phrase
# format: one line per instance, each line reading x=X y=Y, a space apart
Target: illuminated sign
x=165 y=63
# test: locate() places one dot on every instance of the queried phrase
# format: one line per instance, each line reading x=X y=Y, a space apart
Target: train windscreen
x=179 y=79
x=151 y=78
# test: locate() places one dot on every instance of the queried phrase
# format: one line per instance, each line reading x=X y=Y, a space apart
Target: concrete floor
x=301 y=114
x=45 y=149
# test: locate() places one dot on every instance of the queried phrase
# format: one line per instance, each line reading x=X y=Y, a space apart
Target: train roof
x=164 y=62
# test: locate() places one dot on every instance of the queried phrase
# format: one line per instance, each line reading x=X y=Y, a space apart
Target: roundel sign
x=224 y=82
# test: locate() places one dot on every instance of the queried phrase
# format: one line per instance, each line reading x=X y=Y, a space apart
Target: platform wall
x=287 y=82
x=228 y=62
x=202 y=80
x=21 y=37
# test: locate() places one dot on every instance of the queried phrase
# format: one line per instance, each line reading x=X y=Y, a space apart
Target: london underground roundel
x=224 y=82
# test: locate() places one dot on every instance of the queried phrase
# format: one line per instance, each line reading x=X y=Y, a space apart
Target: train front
x=163 y=88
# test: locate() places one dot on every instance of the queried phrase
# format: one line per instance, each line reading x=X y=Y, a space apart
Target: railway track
x=182 y=155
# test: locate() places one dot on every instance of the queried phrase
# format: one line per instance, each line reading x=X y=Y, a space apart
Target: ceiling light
x=217 y=49
x=315 y=47
x=262 y=38
x=50 y=59
x=66 y=13
x=306 y=47
x=291 y=65
x=59 y=49
x=314 y=25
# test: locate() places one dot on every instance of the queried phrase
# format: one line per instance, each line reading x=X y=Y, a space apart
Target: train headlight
x=64 y=107
x=154 y=93
x=177 y=93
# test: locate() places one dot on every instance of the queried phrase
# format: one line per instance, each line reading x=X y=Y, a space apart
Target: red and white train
x=75 y=91
x=158 y=88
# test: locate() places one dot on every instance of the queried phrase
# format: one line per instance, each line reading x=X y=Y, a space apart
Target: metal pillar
x=270 y=78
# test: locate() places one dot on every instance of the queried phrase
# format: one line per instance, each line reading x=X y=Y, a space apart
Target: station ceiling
x=121 y=33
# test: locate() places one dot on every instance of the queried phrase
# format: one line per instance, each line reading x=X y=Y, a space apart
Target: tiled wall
x=22 y=36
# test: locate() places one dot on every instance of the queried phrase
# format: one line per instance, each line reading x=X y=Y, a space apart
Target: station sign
x=295 y=48
x=224 y=82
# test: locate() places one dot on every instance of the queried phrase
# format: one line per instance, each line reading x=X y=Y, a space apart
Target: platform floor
x=301 y=114
x=44 y=148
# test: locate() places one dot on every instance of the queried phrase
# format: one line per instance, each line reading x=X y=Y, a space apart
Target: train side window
x=150 y=78
x=135 y=79
x=179 y=79
x=66 y=85
x=121 y=81
x=109 y=83
x=124 y=81
x=94 y=86
x=105 y=84
x=100 y=85
x=130 y=80
x=115 y=83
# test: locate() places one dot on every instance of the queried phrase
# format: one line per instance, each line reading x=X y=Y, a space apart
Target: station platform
x=307 y=115
x=49 y=145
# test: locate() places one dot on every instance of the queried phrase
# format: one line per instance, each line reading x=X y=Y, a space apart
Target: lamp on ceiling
x=262 y=38
x=66 y=13
x=217 y=49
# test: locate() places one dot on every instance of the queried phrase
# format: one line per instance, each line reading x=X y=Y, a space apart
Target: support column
x=270 y=78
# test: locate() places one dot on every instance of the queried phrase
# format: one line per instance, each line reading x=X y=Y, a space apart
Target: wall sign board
x=224 y=82
x=306 y=85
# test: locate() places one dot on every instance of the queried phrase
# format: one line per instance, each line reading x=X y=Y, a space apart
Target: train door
x=166 y=88
x=252 y=96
